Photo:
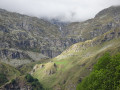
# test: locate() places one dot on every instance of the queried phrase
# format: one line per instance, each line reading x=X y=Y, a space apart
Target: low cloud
x=65 y=10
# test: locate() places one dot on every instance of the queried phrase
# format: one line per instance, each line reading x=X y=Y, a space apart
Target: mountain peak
x=111 y=11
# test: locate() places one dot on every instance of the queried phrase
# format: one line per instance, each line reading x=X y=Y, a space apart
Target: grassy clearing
x=61 y=62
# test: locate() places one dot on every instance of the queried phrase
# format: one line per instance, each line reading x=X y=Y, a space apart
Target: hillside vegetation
x=7 y=73
x=105 y=74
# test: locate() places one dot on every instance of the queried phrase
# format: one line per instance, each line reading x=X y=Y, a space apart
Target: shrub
x=29 y=78
x=3 y=79
x=105 y=75
x=34 y=82
x=13 y=81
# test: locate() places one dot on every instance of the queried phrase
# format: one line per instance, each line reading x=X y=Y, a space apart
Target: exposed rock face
x=111 y=11
x=37 y=67
x=48 y=69
x=51 y=69
x=24 y=33
x=30 y=33
x=27 y=33
x=16 y=57
x=11 y=54
x=103 y=22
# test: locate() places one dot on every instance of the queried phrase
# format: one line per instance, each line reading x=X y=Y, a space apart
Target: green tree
x=3 y=79
x=29 y=78
x=34 y=82
x=105 y=74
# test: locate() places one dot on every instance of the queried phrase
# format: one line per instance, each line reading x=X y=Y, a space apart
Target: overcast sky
x=68 y=10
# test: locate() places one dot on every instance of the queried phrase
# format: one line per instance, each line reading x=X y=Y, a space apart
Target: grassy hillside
x=75 y=63
x=25 y=82
x=13 y=78
x=7 y=73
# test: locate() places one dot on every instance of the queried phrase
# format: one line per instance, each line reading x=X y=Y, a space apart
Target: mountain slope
x=104 y=21
x=77 y=62
x=25 y=32
x=22 y=37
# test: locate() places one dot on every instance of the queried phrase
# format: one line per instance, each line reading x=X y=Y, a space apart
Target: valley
x=36 y=54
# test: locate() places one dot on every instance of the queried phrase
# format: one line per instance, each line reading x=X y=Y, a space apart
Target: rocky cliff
x=31 y=34
x=103 y=22
x=27 y=36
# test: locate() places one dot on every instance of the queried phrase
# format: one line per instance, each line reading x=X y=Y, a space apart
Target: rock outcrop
x=47 y=69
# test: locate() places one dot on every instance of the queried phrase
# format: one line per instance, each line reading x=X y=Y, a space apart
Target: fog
x=64 y=10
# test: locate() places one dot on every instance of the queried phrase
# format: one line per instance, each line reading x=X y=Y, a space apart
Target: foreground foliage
x=34 y=82
x=3 y=79
x=105 y=74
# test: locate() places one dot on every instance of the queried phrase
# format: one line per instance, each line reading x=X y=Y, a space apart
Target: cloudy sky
x=66 y=10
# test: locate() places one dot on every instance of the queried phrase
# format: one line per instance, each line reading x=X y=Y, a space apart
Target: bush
x=34 y=82
x=29 y=78
x=3 y=79
x=105 y=75
x=13 y=81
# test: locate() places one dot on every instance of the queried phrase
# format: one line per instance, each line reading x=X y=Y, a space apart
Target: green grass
x=61 y=62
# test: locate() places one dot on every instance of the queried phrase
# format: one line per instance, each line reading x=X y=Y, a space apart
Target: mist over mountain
x=64 y=10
